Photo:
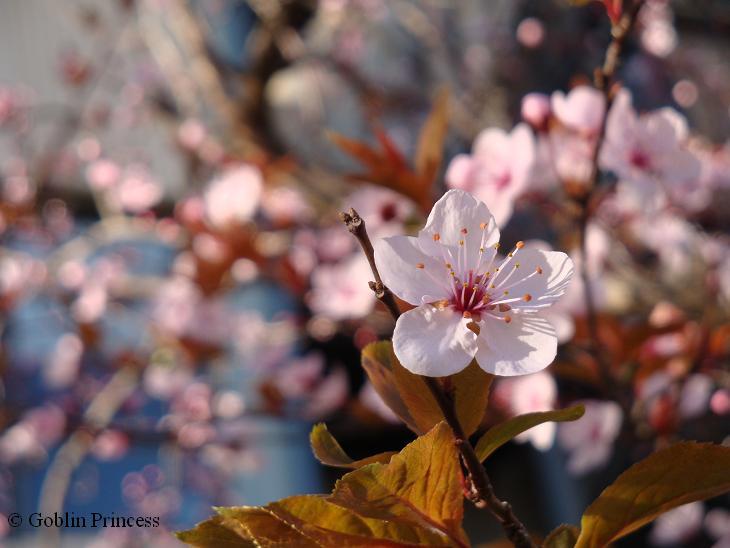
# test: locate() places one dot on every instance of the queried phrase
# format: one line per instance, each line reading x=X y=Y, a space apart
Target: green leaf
x=680 y=474
x=421 y=484
x=213 y=533
x=329 y=452
x=563 y=536
x=414 y=500
x=409 y=397
x=503 y=432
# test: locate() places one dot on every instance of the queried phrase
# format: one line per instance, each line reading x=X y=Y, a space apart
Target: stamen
x=436 y=237
x=538 y=270
x=527 y=297
x=520 y=244
x=504 y=308
x=507 y=319
x=464 y=231
x=420 y=265
x=483 y=226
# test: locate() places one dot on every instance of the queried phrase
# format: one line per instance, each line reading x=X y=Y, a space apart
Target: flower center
x=475 y=288
x=640 y=159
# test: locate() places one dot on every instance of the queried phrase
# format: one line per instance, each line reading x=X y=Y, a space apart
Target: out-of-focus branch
x=98 y=415
x=603 y=81
x=481 y=490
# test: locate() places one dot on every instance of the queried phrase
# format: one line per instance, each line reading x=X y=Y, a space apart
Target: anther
x=507 y=319
x=436 y=237
x=464 y=231
x=483 y=226
x=497 y=245
x=505 y=292
x=420 y=265
x=520 y=244
x=504 y=308
x=527 y=297
x=461 y=242
x=467 y=314
x=538 y=270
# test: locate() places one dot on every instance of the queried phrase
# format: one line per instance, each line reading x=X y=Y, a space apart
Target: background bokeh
x=179 y=301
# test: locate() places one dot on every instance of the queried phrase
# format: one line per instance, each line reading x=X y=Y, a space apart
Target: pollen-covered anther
x=520 y=244
x=538 y=270
x=497 y=245
x=448 y=265
x=507 y=319
x=436 y=237
x=441 y=304
x=461 y=243
x=464 y=231
x=527 y=297
x=483 y=226
x=505 y=292
x=467 y=314
x=504 y=308
x=420 y=265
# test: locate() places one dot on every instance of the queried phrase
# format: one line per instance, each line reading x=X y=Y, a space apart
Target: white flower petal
x=433 y=342
x=526 y=344
x=538 y=289
x=455 y=211
x=399 y=261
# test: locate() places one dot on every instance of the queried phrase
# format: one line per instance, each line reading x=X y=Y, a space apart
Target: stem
x=482 y=492
x=603 y=80
x=97 y=416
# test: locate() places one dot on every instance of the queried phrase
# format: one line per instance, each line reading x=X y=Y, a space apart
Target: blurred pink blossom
x=498 y=169
x=341 y=291
x=647 y=151
x=679 y=525
x=232 y=198
x=285 y=204
x=581 y=110
x=535 y=110
x=110 y=445
x=103 y=174
x=529 y=394
x=62 y=367
x=372 y=400
x=137 y=190
x=383 y=210
x=589 y=441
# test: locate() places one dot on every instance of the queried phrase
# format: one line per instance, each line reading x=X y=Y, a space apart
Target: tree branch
x=603 y=81
x=482 y=492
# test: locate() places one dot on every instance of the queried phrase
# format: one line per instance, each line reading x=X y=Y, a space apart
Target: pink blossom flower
x=383 y=210
x=285 y=204
x=497 y=171
x=647 y=151
x=103 y=174
x=589 y=441
x=467 y=306
x=62 y=367
x=341 y=291
x=581 y=110
x=535 y=110
x=370 y=398
x=136 y=192
x=678 y=525
x=717 y=524
x=232 y=198
x=694 y=400
x=530 y=394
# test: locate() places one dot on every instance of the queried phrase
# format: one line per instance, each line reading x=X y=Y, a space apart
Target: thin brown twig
x=603 y=81
x=482 y=492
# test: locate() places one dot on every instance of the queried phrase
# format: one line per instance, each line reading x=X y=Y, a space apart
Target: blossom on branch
x=468 y=303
